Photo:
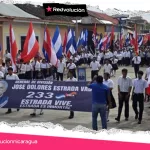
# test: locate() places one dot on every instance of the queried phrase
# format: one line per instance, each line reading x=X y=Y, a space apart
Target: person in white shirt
x=108 y=67
x=29 y=71
x=139 y=88
x=136 y=61
x=11 y=76
x=3 y=68
x=115 y=53
x=40 y=76
x=114 y=66
x=21 y=69
x=49 y=70
x=106 y=56
x=95 y=66
x=124 y=90
x=43 y=66
x=1 y=75
x=86 y=57
x=127 y=57
x=71 y=78
x=72 y=67
x=18 y=57
x=120 y=57
x=124 y=57
x=108 y=82
x=36 y=67
x=90 y=57
x=60 y=69
x=7 y=56
x=99 y=58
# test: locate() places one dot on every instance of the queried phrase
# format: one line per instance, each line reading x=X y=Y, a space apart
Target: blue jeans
x=102 y=109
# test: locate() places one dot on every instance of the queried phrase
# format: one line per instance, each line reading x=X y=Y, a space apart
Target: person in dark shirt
x=100 y=95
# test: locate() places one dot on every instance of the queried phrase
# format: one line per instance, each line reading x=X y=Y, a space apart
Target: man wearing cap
x=11 y=76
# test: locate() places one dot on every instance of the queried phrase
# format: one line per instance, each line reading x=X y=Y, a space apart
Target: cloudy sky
x=104 y=4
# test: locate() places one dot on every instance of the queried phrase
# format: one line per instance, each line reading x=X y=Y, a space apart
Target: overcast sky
x=104 y=4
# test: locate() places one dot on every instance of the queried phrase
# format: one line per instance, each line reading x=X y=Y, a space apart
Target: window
x=23 y=40
x=7 y=43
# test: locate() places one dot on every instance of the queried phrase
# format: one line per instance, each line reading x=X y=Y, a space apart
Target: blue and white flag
x=74 y=40
x=85 y=38
x=127 y=40
x=57 y=42
x=140 y=40
x=80 y=39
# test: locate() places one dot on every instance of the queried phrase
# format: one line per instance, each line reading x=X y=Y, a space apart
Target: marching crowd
x=42 y=69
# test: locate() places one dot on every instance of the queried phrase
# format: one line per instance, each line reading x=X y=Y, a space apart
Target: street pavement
x=82 y=118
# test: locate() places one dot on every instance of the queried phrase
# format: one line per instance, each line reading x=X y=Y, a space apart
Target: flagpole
x=76 y=29
x=136 y=42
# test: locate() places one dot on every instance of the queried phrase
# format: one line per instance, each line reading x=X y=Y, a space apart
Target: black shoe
x=8 y=112
x=18 y=109
x=33 y=114
x=117 y=119
x=136 y=116
x=41 y=113
x=126 y=119
x=107 y=120
x=70 y=117
x=139 y=122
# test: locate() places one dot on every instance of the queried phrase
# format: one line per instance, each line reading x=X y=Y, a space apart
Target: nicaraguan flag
x=74 y=41
x=108 y=41
x=127 y=40
x=69 y=43
x=57 y=42
x=80 y=39
x=140 y=40
x=85 y=38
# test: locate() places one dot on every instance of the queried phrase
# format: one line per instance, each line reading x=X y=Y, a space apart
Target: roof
x=146 y=17
x=38 y=11
x=12 y=10
x=105 y=22
x=103 y=16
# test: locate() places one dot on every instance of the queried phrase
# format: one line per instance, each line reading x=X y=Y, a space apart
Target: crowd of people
x=103 y=99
